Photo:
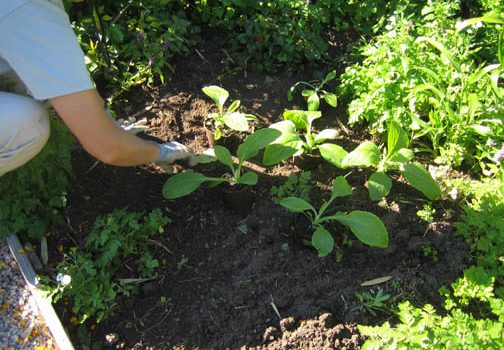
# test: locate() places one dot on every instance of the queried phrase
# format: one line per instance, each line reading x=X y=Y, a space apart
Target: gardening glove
x=131 y=125
x=171 y=152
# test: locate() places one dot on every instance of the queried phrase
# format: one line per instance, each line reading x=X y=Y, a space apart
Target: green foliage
x=421 y=72
x=422 y=328
x=482 y=224
x=314 y=92
x=231 y=118
x=33 y=195
x=185 y=183
x=295 y=186
x=474 y=308
x=128 y=43
x=396 y=156
x=115 y=239
x=367 y=227
x=297 y=137
x=373 y=301
x=427 y=213
x=264 y=35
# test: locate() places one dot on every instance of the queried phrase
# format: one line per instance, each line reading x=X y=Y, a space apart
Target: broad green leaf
x=331 y=99
x=340 y=188
x=402 y=156
x=365 y=155
x=313 y=102
x=334 y=154
x=297 y=117
x=285 y=146
x=307 y=92
x=224 y=156
x=182 y=184
x=312 y=115
x=217 y=134
x=217 y=94
x=330 y=76
x=379 y=185
x=249 y=178
x=296 y=205
x=255 y=142
x=236 y=121
x=397 y=138
x=323 y=241
x=201 y=159
x=422 y=180
x=234 y=106
x=326 y=134
x=367 y=227
x=277 y=152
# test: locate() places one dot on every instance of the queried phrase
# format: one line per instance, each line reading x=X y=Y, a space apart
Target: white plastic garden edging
x=43 y=303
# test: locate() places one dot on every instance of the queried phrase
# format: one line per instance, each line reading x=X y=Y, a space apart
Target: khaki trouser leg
x=24 y=130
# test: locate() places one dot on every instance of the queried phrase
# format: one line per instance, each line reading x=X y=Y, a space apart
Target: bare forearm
x=83 y=113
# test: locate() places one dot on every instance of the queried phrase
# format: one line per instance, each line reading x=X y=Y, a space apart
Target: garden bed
x=228 y=280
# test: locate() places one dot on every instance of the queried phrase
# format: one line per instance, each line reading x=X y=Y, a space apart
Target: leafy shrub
x=33 y=195
x=421 y=73
x=475 y=305
x=128 y=43
x=264 y=35
x=90 y=274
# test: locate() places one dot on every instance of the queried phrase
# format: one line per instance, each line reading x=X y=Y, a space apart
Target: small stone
x=111 y=339
x=287 y=324
x=150 y=288
x=326 y=320
x=271 y=333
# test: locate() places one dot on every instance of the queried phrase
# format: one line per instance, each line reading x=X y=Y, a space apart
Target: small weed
x=427 y=213
x=295 y=186
x=184 y=260
x=429 y=251
x=373 y=301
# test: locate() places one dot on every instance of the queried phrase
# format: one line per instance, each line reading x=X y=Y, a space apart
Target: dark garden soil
x=237 y=281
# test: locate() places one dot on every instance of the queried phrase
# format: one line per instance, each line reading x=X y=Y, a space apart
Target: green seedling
x=315 y=92
x=372 y=302
x=295 y=186
x=297 y=137
x=185 y=183
x=230 y=117
x=396 y=156
x=367 y=227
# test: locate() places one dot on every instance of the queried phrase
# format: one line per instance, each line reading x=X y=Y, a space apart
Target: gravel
x=20 y=325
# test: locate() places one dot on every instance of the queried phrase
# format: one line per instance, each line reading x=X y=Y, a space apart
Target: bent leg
x=24 y=130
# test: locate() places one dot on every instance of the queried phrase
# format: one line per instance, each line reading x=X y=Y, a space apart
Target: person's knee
x=24 y=132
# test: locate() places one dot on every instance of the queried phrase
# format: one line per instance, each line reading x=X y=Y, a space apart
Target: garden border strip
x=43 y=303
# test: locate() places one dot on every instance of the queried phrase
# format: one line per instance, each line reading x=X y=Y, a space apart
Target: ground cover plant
x=407 y=269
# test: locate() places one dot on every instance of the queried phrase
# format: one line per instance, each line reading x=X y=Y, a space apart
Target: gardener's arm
x=83 y=113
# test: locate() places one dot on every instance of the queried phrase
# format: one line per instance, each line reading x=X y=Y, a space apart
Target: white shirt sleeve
x=39 y=44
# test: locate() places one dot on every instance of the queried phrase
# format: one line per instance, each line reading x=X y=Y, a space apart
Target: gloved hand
x=171 y=152
x=130 y=125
